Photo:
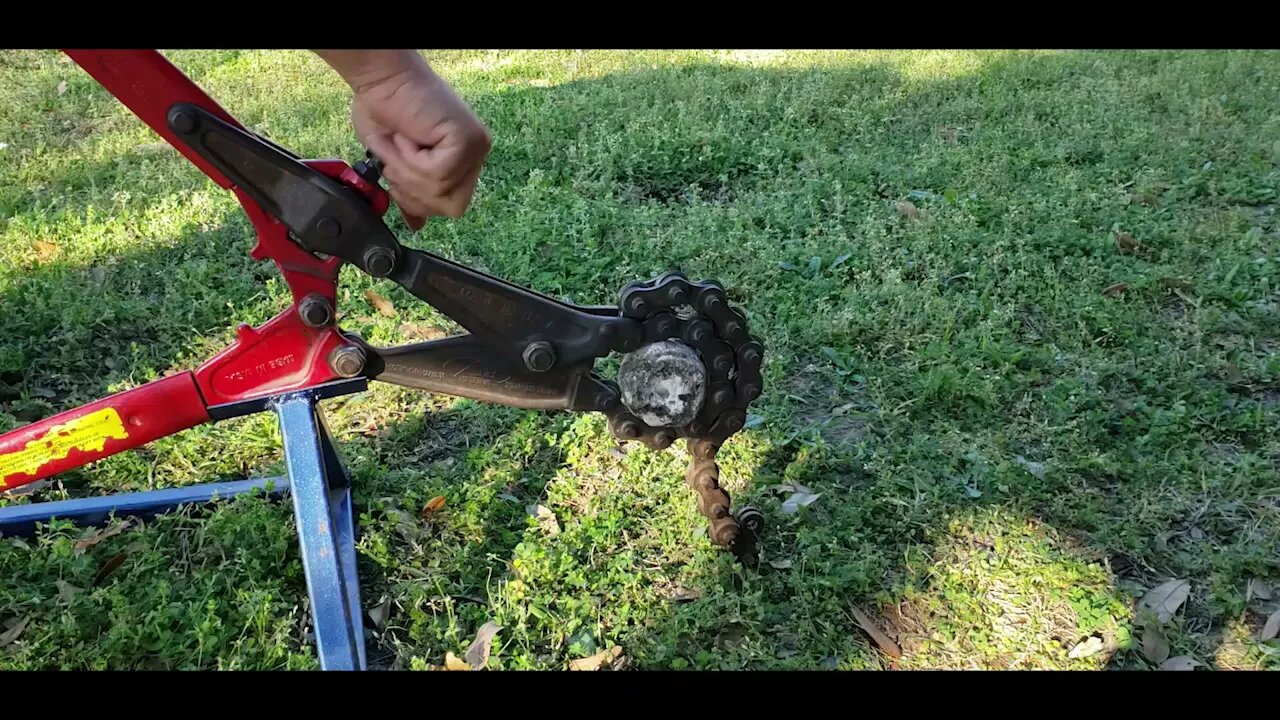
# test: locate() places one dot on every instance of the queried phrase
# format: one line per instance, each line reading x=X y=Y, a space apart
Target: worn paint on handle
x=94 y=431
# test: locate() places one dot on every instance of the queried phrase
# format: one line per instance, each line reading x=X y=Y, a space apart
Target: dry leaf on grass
x=1271 y=629
x=477 y=654
x=1092 y=646
x=909 y=209
x=433 y=506
x=1162 y=602
x=451 y=662
x=782 y=564
x=800 y=498
x=731 y=636
x=1155 y=646
x=883 y=641
x=421 y=331
x=109 y=567
x=595 y=662
x=13 y=632
x=97 y=537
x=682 y=595
x=1181 y=662
x=545 y=517
x=1257 y=588
x=1126 y=244
x=380 y=303
x=45 y=249
x=1115 y=290
x=62 y=87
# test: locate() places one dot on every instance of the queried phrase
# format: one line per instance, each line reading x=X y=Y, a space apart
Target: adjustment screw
x=315 y=311
x=379 y=261
x=539 y=357
x=183 y=121
x=676 y=295
x=636 y=305
x=663 y=439
x=347 y=360
x=329 y=227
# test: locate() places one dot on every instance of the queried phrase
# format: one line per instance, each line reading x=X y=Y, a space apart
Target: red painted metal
x=101 y=428
x=148 y=84
x=282 y=355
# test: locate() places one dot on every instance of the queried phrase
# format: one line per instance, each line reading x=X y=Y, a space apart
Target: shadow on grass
x=966 y=557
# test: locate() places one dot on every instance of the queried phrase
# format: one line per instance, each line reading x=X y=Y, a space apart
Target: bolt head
x=183 y=121
x=329 y=227
x=539 y=357
x=347 y=360
x=315 y=311
x=379 y=262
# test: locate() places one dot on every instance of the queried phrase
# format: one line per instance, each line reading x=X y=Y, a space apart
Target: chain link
x=671 y=307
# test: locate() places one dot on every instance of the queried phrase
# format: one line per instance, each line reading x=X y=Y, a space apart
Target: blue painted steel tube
x=23 y=520
x=324 y=536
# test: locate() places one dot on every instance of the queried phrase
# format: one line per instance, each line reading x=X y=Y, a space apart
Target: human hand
x=431 y=144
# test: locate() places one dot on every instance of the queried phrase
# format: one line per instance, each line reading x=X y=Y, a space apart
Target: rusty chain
x=671 y=307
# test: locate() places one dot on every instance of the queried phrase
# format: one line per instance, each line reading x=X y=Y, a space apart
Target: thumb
x=415 y=222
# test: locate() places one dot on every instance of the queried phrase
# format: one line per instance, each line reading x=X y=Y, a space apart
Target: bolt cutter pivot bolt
x=315 y=311
x=347 y=360
x=183 y=121
x=379 y=262
x=539 y=357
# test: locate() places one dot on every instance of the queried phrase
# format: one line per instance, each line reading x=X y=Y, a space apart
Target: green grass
x=1008 y=457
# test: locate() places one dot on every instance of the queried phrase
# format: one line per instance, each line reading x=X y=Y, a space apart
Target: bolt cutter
x=690 y=367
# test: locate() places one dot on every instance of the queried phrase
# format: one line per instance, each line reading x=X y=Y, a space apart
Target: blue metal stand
x=321 y=491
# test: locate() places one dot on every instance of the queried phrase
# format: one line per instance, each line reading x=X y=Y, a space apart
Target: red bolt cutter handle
x=282 y=355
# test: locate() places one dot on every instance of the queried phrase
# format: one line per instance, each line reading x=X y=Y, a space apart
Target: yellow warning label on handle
x=87 y=433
